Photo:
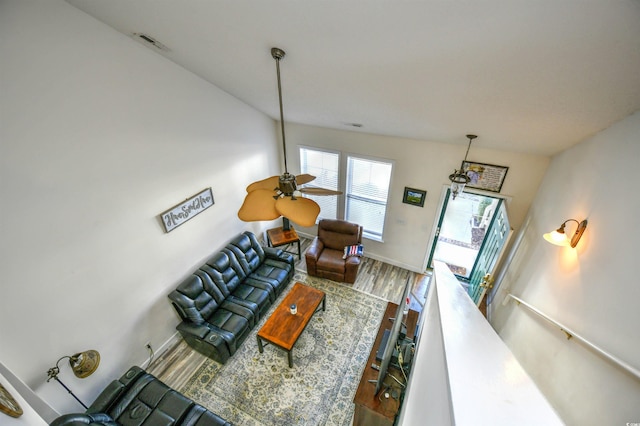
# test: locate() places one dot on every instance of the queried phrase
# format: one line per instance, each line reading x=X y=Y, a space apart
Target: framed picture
x=488 y=177
x=413 y=196
x=189 y=208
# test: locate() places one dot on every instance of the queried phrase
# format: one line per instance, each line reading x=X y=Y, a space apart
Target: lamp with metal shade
x=560 y=238
x=83 y=364
x=459 y=178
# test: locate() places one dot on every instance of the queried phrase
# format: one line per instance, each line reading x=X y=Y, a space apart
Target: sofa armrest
x=103 y=402
x=278 y=254
x=78 y=419
x=196 y=330
x=272 y=252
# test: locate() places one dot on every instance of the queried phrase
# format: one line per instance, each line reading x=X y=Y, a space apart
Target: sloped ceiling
x=534 y=76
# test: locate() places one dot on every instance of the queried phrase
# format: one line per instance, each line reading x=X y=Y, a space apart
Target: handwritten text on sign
x=186 y=210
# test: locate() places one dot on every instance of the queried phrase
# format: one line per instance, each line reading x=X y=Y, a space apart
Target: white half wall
x=99 y=136
x=591 y=289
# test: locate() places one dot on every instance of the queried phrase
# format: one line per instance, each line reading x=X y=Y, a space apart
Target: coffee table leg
x=259 y=344
x=290 y=358
x=324 y=301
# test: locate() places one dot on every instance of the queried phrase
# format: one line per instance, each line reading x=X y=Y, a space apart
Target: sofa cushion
x=331 y=260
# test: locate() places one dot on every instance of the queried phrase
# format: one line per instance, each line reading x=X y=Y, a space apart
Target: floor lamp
x=83 y=364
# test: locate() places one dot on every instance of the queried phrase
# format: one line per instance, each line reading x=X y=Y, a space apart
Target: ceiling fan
x=276 y=196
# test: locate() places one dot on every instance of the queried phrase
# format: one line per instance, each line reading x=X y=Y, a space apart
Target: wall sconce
x=83 y=364
x=559 y=237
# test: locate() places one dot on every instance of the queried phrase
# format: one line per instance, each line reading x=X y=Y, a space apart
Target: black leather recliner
x=221 y=302
x=138 y=398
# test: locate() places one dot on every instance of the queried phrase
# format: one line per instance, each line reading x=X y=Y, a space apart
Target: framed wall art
x=186 y=210
x=413 y=196
x=487 y=177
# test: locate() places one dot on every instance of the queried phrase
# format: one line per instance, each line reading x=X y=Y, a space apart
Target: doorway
x=463 y=228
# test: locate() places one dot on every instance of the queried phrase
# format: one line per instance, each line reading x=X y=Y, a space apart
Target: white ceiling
x=533 y=76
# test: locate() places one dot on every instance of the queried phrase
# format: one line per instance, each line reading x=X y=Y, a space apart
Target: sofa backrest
x=337 y=234
x=192 y=300
x=225 y=271
x=247 y=251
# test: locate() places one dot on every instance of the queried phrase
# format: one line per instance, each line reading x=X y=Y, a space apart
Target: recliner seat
x=324 y=257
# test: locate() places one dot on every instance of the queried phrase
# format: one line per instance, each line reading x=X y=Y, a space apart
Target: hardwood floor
x=175 y=365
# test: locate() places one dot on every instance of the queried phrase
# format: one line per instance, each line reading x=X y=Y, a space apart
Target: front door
x=470 y=236
x=492 y=248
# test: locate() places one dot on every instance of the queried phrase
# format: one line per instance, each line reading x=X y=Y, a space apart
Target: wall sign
x=186 y=210
x=485 y=176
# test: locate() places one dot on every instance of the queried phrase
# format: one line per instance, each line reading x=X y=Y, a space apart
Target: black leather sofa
x=225 y=298
x=138 y=398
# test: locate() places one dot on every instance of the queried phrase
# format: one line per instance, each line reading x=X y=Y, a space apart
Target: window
x=367 y=191
x=324 y=165
x=365 y=185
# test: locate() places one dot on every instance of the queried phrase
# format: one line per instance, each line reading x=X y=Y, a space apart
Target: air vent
x=150 y=41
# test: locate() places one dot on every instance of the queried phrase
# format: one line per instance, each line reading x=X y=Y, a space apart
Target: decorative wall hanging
x=414 y=196
x=186 y=210
x=488 y=177
x=8 y=404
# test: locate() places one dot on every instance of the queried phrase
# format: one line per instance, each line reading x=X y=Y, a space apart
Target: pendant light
x=459 y=178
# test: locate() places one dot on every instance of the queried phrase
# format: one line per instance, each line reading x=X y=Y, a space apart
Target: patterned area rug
x=328 y=360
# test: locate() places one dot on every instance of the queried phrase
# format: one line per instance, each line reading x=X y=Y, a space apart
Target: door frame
x=506 y=199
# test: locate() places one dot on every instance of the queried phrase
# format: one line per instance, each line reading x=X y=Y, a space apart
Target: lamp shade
x=557 y=238
x=85 y=363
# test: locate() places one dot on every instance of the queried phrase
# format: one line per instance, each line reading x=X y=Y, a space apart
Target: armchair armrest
x=351 y=265
x=312 y=255
x=315 y=249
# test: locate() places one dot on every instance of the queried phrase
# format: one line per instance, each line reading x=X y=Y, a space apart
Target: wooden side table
x=277 y=237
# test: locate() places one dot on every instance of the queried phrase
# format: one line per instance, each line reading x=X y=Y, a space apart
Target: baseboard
x=157 y=353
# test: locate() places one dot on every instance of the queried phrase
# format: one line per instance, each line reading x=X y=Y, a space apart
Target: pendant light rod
x=278 y=54
x=471 y=138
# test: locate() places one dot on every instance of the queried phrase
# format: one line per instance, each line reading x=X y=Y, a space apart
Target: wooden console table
x=372 y=409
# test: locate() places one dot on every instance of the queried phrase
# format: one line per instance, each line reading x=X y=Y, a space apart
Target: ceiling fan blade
x=304 y=178
x=269 y=183
x=302 y=211
x=258 y=205
x=312 y=190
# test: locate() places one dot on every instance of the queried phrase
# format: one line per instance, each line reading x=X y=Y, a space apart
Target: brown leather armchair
x=324 y=256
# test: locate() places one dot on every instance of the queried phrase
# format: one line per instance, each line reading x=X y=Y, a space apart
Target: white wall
x=99 y=136
x=592 y=289
x=425 y=165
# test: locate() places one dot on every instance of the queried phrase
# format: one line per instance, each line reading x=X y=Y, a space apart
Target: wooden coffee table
x=283 y=328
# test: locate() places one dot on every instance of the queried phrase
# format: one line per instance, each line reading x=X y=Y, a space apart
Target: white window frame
x=343 y=160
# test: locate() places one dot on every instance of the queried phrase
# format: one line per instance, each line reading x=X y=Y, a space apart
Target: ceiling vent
x=150 y=41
